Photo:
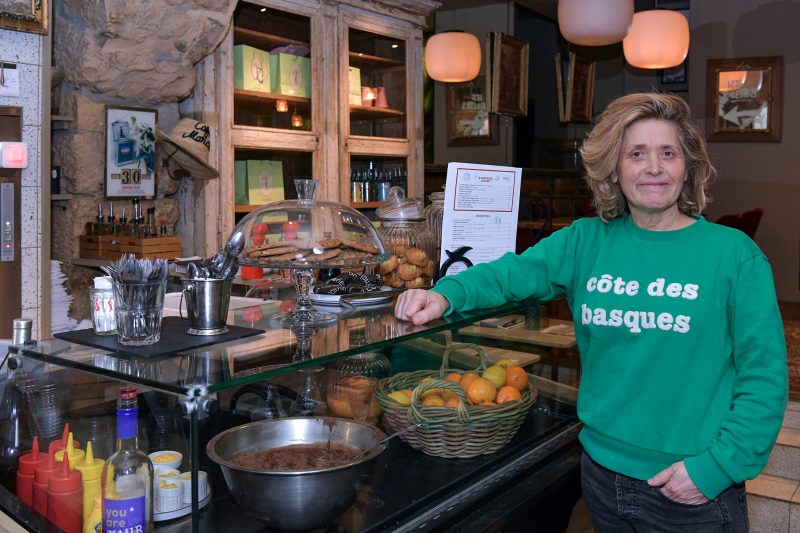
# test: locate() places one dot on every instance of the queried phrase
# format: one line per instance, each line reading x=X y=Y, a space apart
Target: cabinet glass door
x=371 y=177
x=377 y=85
x=272 y=68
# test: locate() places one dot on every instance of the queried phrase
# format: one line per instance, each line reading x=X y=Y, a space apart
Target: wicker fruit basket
x=462 y=432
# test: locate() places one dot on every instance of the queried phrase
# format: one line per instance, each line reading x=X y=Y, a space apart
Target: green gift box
x=354 y=85
x=264 y=181
x=240 y=183
x=290 y=74
x=251 y=68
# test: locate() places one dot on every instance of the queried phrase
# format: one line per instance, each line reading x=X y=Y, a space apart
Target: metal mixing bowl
x=294 y=500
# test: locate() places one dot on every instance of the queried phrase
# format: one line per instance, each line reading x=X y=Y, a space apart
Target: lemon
x=496 y=374
x=400 y=397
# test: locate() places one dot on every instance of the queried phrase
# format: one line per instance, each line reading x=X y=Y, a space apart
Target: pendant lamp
x=453 y=56
x=594 y=22
x=658 y=38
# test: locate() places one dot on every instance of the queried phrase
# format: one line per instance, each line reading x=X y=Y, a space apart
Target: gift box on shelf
x=241 y=196
x=290 y=74
x=251 y=68
x=354 y=85
x=264 y=181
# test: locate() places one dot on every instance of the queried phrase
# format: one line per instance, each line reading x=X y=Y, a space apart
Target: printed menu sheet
x=481 y=203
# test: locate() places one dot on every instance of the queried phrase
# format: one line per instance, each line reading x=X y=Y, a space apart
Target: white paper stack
x=60 y=300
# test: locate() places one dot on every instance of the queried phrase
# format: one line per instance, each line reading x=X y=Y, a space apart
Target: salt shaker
x=102 y=300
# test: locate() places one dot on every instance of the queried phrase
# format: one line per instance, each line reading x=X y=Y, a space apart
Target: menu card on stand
x=481 y=204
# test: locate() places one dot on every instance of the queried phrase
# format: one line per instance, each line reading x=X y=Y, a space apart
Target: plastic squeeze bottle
x=26 y=470
x=94 y=522
x=41 y=478
x=65 y=498
x=74 y=453
x=90 y=469
x=61 y=443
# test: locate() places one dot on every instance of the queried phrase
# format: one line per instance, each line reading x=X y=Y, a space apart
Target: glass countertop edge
x=455 y=321
x=168 y=388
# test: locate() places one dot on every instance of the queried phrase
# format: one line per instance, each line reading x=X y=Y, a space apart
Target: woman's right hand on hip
x=420 y=306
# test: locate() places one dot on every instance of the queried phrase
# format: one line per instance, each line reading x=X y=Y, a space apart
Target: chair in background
x=746 y=222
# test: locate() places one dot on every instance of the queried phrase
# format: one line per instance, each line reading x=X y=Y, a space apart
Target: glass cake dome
x=306 y=234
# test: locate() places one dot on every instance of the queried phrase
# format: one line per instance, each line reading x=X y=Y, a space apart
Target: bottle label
x=124 y=516
x=126 y=423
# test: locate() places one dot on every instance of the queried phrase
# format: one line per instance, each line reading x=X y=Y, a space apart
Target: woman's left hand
x=676 y=485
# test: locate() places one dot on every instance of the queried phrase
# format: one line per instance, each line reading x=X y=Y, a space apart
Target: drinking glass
x=138 y=309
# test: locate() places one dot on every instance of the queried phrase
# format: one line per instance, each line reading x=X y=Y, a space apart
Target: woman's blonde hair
x=601 y=151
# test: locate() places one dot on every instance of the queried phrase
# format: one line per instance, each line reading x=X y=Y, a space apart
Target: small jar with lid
x=434 y=219
x=411 y=245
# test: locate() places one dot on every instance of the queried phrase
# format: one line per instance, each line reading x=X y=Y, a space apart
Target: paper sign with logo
x=481 y=204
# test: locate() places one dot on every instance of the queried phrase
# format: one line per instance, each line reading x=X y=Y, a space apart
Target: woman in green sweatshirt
x=684 y=376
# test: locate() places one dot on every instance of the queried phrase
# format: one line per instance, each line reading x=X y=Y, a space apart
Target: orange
x=407 y=392
x=455 y=378
x=487 y=403
x=433 y=400
x=516 y=377
x=453 y=401
x=507 y=394
x=481 y=390
x=467 y=378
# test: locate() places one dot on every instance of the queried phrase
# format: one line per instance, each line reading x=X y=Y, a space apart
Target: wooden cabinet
x=326 y=135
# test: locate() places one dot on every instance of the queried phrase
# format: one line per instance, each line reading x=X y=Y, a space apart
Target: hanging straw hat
x=189 y=144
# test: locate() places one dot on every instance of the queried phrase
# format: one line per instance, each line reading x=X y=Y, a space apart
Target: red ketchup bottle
x=25 y=472
x=65 y=498
x=61 y=444
x=41 y=477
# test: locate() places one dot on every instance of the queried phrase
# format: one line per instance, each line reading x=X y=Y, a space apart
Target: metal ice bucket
x=207 y=301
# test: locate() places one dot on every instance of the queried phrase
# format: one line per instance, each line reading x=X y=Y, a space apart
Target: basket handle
x=463 y=346
x=416 y=416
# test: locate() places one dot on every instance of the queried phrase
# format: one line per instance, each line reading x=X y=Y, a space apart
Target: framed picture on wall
x=130 y=152
x=575 y=88
x=744 y=99
x=469 y=122
x=508 y=74
x=24 y=15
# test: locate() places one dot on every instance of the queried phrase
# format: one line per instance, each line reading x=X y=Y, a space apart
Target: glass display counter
x=186 y=398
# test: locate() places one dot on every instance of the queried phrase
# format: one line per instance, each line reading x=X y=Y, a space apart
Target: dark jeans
x=620 y=504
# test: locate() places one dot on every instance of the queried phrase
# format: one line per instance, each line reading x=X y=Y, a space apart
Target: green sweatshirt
x=681 y=341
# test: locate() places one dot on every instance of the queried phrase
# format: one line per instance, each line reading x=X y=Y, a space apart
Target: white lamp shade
x=658 y=39
x=594 y=22
x=453 y=56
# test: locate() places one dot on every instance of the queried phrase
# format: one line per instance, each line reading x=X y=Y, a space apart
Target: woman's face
x=651 y=168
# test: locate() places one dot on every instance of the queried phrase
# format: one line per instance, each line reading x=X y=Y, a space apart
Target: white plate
x=359 y=300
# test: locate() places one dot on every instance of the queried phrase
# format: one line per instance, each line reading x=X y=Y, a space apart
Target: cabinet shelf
x=244 y=95
x=360 y=112
x=357 y=59
x=366 y=205
x=262 y=41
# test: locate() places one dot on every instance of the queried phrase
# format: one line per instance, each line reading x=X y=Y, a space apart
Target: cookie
x=363 y=247
x=273 y=251
x=321 y=243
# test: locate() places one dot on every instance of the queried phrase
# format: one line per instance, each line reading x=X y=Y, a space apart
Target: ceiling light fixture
x=453 y=56
x=658 y=38
x=594 y=22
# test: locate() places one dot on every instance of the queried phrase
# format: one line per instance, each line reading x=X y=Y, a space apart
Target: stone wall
x=136 y=53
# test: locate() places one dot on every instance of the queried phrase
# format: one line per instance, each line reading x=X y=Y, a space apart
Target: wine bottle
x=127 y=475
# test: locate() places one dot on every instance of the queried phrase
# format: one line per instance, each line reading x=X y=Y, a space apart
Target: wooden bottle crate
x=113 y=246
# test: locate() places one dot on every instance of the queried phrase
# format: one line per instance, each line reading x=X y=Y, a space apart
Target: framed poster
x=575 y=88
x=744 y=99
x=130 y=152
x=469 y=122
x=24 y=15
x=509 y=74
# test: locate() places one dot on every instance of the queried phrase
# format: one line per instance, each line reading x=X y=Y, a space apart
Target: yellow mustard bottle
x=94 y=522
x=91 y=469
